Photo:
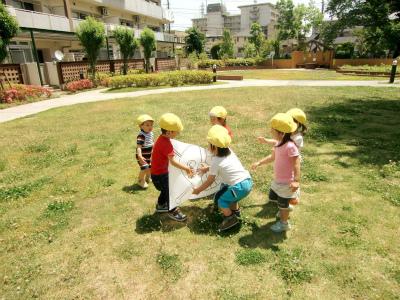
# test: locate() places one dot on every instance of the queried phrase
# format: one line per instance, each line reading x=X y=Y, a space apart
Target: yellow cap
x=218 y=111
x=219 y=136
x=283 y=123
x=143 y=118
x=171 y=122
x=298 y=115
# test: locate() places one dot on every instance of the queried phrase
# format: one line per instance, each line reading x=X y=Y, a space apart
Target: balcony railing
x=140 y=7
x=39 y=20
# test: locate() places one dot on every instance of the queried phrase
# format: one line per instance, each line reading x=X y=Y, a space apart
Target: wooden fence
x=12 y=73
x=70 y=71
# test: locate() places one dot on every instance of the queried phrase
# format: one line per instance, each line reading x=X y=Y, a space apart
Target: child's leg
x=226 y=211
x=147 y=175
x=161 y=184
x=284 y=214
x=142 y=175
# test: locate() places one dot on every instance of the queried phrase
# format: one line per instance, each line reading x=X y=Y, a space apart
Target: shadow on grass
x=263 y=237
x=269 y=210
x=132 y=189
x=199 y=221
x=370 y=125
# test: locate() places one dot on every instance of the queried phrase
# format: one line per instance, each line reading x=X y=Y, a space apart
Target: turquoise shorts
x=229 y=194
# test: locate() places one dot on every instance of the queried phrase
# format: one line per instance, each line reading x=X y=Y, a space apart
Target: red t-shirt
x=159 y=159
x=229 y=130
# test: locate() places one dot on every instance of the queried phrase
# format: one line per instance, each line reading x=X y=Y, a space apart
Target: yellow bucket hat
x=298 y=115
x=171 y=122
x=283 y=123
x=143 y=118
x=219 y=136
x=218 y=111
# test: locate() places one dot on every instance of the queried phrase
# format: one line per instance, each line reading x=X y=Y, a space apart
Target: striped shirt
x=145 y=139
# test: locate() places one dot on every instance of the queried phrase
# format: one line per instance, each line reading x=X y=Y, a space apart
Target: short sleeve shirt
x=229 y=169
x=161 y=151
x=283 y=165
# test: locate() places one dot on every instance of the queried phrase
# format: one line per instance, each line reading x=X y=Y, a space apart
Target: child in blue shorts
x=236 y=180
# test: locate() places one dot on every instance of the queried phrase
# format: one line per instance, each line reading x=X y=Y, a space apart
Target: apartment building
x=49 y=25
x=217 y=18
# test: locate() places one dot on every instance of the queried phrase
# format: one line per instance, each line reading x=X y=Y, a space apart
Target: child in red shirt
x=163 y=154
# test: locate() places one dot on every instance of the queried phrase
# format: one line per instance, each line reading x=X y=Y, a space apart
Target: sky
x=185 y=10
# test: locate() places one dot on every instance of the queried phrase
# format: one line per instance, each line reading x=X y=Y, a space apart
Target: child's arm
x=178 y=165
x=263 y=140
x=296 y=183
x=206 y=184
x=270 y=158
x=139 y=154
x=204 y=168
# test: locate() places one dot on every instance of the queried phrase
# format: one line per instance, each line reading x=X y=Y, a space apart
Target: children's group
x=287 y=131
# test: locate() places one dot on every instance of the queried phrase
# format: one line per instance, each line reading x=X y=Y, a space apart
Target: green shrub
x=232 y=62
x=173 y=78
x=208 y=63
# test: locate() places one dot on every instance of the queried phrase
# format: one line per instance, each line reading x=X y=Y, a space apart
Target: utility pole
x=323 y=6
x=169 y=24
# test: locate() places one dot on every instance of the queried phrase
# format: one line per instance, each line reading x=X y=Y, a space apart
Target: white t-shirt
x=297 y=138
x=229 y=169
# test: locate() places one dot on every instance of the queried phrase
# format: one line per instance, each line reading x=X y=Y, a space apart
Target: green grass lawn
x=74 y=225
x=276 y=74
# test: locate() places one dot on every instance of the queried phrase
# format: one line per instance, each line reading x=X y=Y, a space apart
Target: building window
x=79 y=15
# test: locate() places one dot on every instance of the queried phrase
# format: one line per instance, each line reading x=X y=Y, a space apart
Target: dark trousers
x=161 y=183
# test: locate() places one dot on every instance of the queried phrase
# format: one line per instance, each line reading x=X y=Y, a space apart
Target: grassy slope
x=298 y=75
x=73 y=225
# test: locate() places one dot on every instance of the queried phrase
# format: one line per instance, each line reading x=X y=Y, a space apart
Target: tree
x=148 y=42
x=226 y=50
x=8 y=29
x=256 y=37
x=285 y=25
x=92 y=36
x=305 y=19
x=380 y=19
x=250 y=50
x=215 y=51
x=127 y=44
x=194 y=41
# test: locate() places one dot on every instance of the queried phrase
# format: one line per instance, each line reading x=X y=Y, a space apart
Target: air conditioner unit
x=104 y=11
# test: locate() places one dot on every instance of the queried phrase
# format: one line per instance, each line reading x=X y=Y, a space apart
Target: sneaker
x=143 y=184
x=228 y=222
x=162 y=208
x=176 y=215
x=279 y=227
x=238 y=212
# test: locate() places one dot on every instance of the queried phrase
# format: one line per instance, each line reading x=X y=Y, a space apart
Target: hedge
x=234 y=62
x=174 y=78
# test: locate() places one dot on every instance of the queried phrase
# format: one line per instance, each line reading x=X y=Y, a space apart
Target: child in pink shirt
x=285 y=155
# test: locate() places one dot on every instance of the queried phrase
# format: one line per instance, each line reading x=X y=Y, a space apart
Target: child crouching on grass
x=144 y=147
x=236 y=180
x=285 y=155
x=163 y=154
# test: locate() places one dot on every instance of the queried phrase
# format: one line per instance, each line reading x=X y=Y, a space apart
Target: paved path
x=97 y=95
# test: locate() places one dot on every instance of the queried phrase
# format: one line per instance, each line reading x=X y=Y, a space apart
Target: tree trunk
x=125 y=68
x=147 y=64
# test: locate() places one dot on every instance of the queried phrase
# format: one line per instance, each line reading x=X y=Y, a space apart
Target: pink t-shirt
x=283 y=166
